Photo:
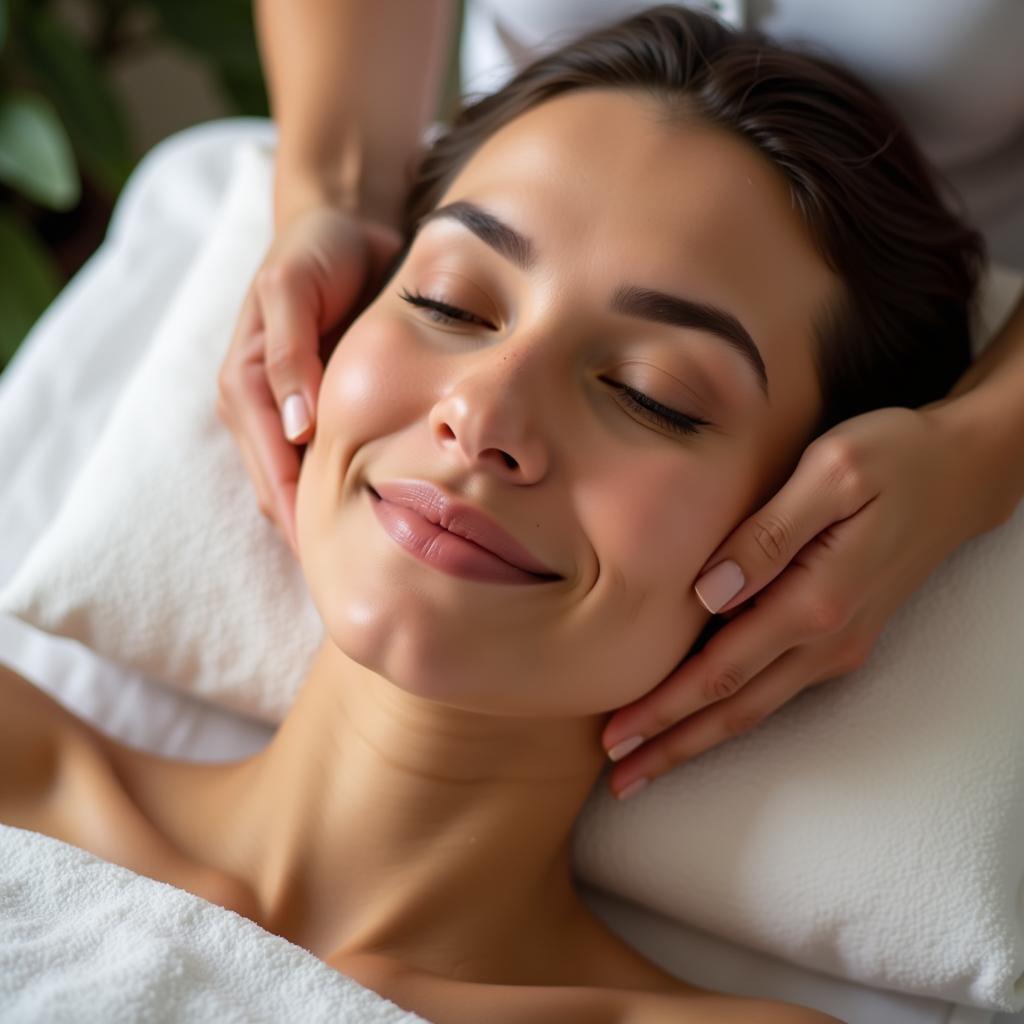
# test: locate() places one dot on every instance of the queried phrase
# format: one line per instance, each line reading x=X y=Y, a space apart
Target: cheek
x=374 y=381
x=658 y=520
x=652 y=523
x=371 y=388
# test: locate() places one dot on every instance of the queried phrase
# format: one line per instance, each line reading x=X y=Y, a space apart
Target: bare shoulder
x=23 y=701
x=717 y=1008
x=30 y=712
x=30 y=722
x=36 y=735
x=56 y=778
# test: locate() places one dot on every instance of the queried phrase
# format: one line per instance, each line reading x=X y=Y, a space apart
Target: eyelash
x=670 y=419
x=441 y=311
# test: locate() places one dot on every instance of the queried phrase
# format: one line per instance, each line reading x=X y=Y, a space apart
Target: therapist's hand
x=873 y=506
x=309 y=281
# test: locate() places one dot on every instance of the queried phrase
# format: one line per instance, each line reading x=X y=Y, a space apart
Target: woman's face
x=515 y=408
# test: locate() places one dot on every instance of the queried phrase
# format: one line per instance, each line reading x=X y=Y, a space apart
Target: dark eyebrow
x=632 y=300
x=649 y=304
x=496 y=233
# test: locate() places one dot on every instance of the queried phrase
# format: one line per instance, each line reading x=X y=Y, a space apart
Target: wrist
x=295 y=192
x=299 y=189
x=983 y=434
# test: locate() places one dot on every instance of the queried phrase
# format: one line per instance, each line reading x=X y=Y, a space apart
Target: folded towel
x=82 y=939
x=171 y=510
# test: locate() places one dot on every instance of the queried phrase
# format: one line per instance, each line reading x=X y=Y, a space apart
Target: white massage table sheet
x=53 y=402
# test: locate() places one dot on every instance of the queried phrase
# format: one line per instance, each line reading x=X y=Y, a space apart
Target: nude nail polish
x=720 y=585
x=634 y=787
x=294 y=416
x=622 y=748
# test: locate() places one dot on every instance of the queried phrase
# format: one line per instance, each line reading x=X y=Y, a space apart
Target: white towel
x=85 y=940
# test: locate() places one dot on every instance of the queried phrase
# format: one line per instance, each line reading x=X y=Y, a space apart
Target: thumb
x=292 y=357
x=765 y=543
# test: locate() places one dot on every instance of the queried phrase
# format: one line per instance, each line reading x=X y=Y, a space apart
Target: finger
x=286 y=513
x=272 y=462
x=788 y=675
x=246 y=341
x=235 y=383
x=824 y=489
x=280 y=515
x=730 y=659
x=252 y=467
x=291 y=312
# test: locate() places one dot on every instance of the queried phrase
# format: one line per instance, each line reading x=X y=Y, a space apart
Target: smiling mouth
x=466 y=558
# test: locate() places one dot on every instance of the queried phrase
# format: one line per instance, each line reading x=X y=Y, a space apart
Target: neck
x=377 y=820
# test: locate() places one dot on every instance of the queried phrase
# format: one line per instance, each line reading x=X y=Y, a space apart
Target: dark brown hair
x=900 y=333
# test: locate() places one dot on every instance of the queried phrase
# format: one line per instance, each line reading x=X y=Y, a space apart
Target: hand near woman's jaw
x=309 y=281
x=873 y=506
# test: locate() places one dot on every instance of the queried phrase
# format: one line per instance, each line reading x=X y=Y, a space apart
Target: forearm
x=352 y=86
x=990 y=395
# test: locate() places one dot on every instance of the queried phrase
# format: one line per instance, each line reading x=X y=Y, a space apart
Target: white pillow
x=159 y=558
x=873 y=828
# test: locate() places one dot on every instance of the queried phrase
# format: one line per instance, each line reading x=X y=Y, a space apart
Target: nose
x=488 y=419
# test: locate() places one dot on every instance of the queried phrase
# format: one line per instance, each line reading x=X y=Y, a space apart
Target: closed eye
x=441 y=312
x=670 y=419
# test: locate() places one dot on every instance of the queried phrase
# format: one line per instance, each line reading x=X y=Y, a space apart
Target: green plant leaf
x=73 y=80
x=222 y=31
x=35 y=154
x=247 y=93
x=29 y=281
x=3 y=23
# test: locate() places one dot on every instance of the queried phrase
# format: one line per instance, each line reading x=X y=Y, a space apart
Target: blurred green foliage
x=61 y=120
x=451 y=88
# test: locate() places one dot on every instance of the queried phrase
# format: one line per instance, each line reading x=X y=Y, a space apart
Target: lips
x=434 y=505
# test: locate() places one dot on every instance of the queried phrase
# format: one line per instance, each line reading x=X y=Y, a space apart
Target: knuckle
x=773 y=536
x=827 y=613
x=843 y=466
x=723 y=682
x=279 y=357
x=273 y=278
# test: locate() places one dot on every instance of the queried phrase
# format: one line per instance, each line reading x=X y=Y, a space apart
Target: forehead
x=609 y=192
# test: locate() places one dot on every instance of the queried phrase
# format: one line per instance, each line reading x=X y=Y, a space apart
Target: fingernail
x=294 y=416
x=719 y=585
x=633 y=787
x=620 y=750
